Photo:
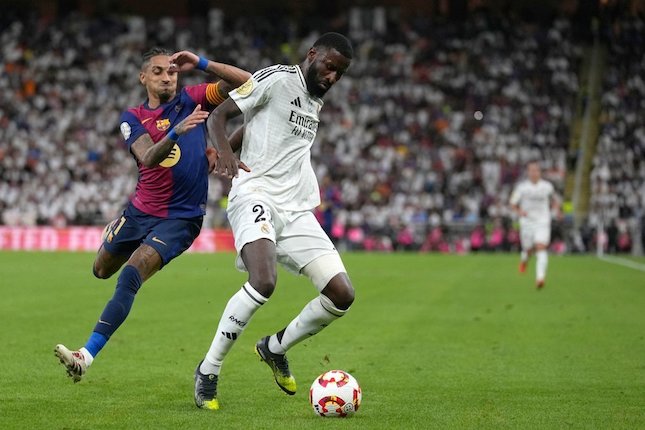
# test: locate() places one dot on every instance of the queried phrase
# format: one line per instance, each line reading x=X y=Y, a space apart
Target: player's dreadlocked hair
x=337 y=41
x=153 y=52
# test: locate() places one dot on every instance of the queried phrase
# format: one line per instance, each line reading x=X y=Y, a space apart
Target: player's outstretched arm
x=233 y=76
x=227 y=163
x=150 y=154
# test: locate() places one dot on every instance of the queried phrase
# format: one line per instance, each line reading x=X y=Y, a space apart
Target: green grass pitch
x=435 y=342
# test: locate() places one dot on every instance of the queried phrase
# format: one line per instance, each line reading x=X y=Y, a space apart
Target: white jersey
x=281 y=120
x=535 y=200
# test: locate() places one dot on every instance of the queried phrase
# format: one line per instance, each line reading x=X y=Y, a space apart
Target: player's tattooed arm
x=232 y=76
x=150 y=154
x=227 y=163
x=142 y=149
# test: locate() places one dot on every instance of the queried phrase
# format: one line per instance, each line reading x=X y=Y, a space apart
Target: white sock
x=87 y=356
x=541 y=264
x=236 y=316
x=315 y=316
x=524 y=256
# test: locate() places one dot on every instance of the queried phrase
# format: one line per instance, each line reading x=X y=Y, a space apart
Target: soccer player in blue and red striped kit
x=167 y=137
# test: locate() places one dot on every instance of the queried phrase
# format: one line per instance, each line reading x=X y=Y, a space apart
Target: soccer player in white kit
x=532 y=200
x=270 y=208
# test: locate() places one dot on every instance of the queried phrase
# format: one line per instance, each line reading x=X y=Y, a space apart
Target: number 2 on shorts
x=258 y=209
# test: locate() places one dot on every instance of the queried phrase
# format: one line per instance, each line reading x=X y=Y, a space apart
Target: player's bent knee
x=263 y=280
x=340 y=291
x=106 y=264
x=329 y=276
x=264 y=286
x=101 y=272
x=348 y=297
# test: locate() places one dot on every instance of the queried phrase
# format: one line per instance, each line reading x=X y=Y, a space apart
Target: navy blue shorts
x=169 y=237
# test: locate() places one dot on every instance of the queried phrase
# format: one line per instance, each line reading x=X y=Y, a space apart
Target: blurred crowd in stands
x=618 y=176
x=420 y=143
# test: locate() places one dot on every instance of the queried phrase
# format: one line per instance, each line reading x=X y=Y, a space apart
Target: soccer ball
x=335 y=394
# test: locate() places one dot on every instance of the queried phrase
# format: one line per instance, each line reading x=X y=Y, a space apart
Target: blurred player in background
x=532 y=200
x=270 y=208
x=167 y=137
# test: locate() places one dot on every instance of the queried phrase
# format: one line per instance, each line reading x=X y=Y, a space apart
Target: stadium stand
x=422 y=154
x=618 y=176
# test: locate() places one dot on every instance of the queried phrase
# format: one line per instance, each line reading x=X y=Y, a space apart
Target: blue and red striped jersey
x=178 y=186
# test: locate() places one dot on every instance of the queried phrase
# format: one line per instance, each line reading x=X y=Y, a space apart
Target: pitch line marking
x=623 y=262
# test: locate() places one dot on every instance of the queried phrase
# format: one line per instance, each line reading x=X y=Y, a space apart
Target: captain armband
x=214 y=95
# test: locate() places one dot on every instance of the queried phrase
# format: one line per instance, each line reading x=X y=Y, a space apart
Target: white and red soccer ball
x=335 y=394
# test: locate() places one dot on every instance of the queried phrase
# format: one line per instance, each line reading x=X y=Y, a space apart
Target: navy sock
x=116 y=310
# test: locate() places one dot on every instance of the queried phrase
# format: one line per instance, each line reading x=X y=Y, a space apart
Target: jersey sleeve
x=131 y=128
x=207 y=95
x=516 y=195
x=257 y=90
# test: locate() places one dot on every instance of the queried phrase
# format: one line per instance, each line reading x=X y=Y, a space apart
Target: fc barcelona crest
x=163 y=124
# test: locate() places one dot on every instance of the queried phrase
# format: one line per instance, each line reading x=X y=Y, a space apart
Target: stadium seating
x=618 y=177
x=420 y=143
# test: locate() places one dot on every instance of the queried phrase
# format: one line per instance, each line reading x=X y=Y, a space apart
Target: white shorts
x=530 y=235
x=298 y=236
